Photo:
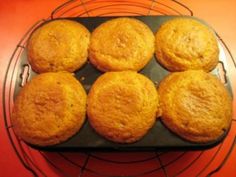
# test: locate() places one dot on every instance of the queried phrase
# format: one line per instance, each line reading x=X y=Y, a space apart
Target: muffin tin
x=159 y=137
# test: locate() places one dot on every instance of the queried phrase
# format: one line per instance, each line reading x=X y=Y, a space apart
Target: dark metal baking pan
x=159 y=137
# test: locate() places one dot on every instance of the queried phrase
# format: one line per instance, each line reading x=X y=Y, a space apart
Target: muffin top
x=121 y=44
x=59 y=45
x=195 y=105
x=122 y=106
x=49 y=109
x=184 y=43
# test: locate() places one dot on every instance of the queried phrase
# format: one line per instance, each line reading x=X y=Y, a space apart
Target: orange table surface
x=17 y=16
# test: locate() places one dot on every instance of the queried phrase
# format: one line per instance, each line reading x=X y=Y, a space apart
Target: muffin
x=49 y=109
x=59 y=45
x=122 y=106
x=121 y=44
x=185 y=44
x=195 y=105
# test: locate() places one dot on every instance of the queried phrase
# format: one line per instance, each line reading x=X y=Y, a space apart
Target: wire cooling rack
x=168 y=164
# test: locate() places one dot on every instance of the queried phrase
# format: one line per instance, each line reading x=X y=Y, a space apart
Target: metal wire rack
x=109 y=164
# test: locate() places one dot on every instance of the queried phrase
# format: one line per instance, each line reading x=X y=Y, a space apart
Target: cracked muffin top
x=59 y=45
x=195 y=105
x=121 y=44
x=49 y=109
x=184 y=43
x=122 y=106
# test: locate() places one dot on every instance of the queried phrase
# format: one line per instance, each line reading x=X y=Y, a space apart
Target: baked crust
x=122 y=106
x=121 y=44
x=184 y=43
x=59 y=45
x=195 y=105
x=49 y=109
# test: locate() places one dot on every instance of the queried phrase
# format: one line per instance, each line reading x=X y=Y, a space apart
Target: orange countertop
x=17 y=16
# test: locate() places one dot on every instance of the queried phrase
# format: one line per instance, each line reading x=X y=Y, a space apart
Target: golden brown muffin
x=195 y=105
x=121 y=44
x=184 y=43
x=49 y=109
x=122 y=106
x=59 y=45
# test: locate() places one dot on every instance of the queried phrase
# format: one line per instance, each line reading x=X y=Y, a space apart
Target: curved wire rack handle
x=62 y=9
